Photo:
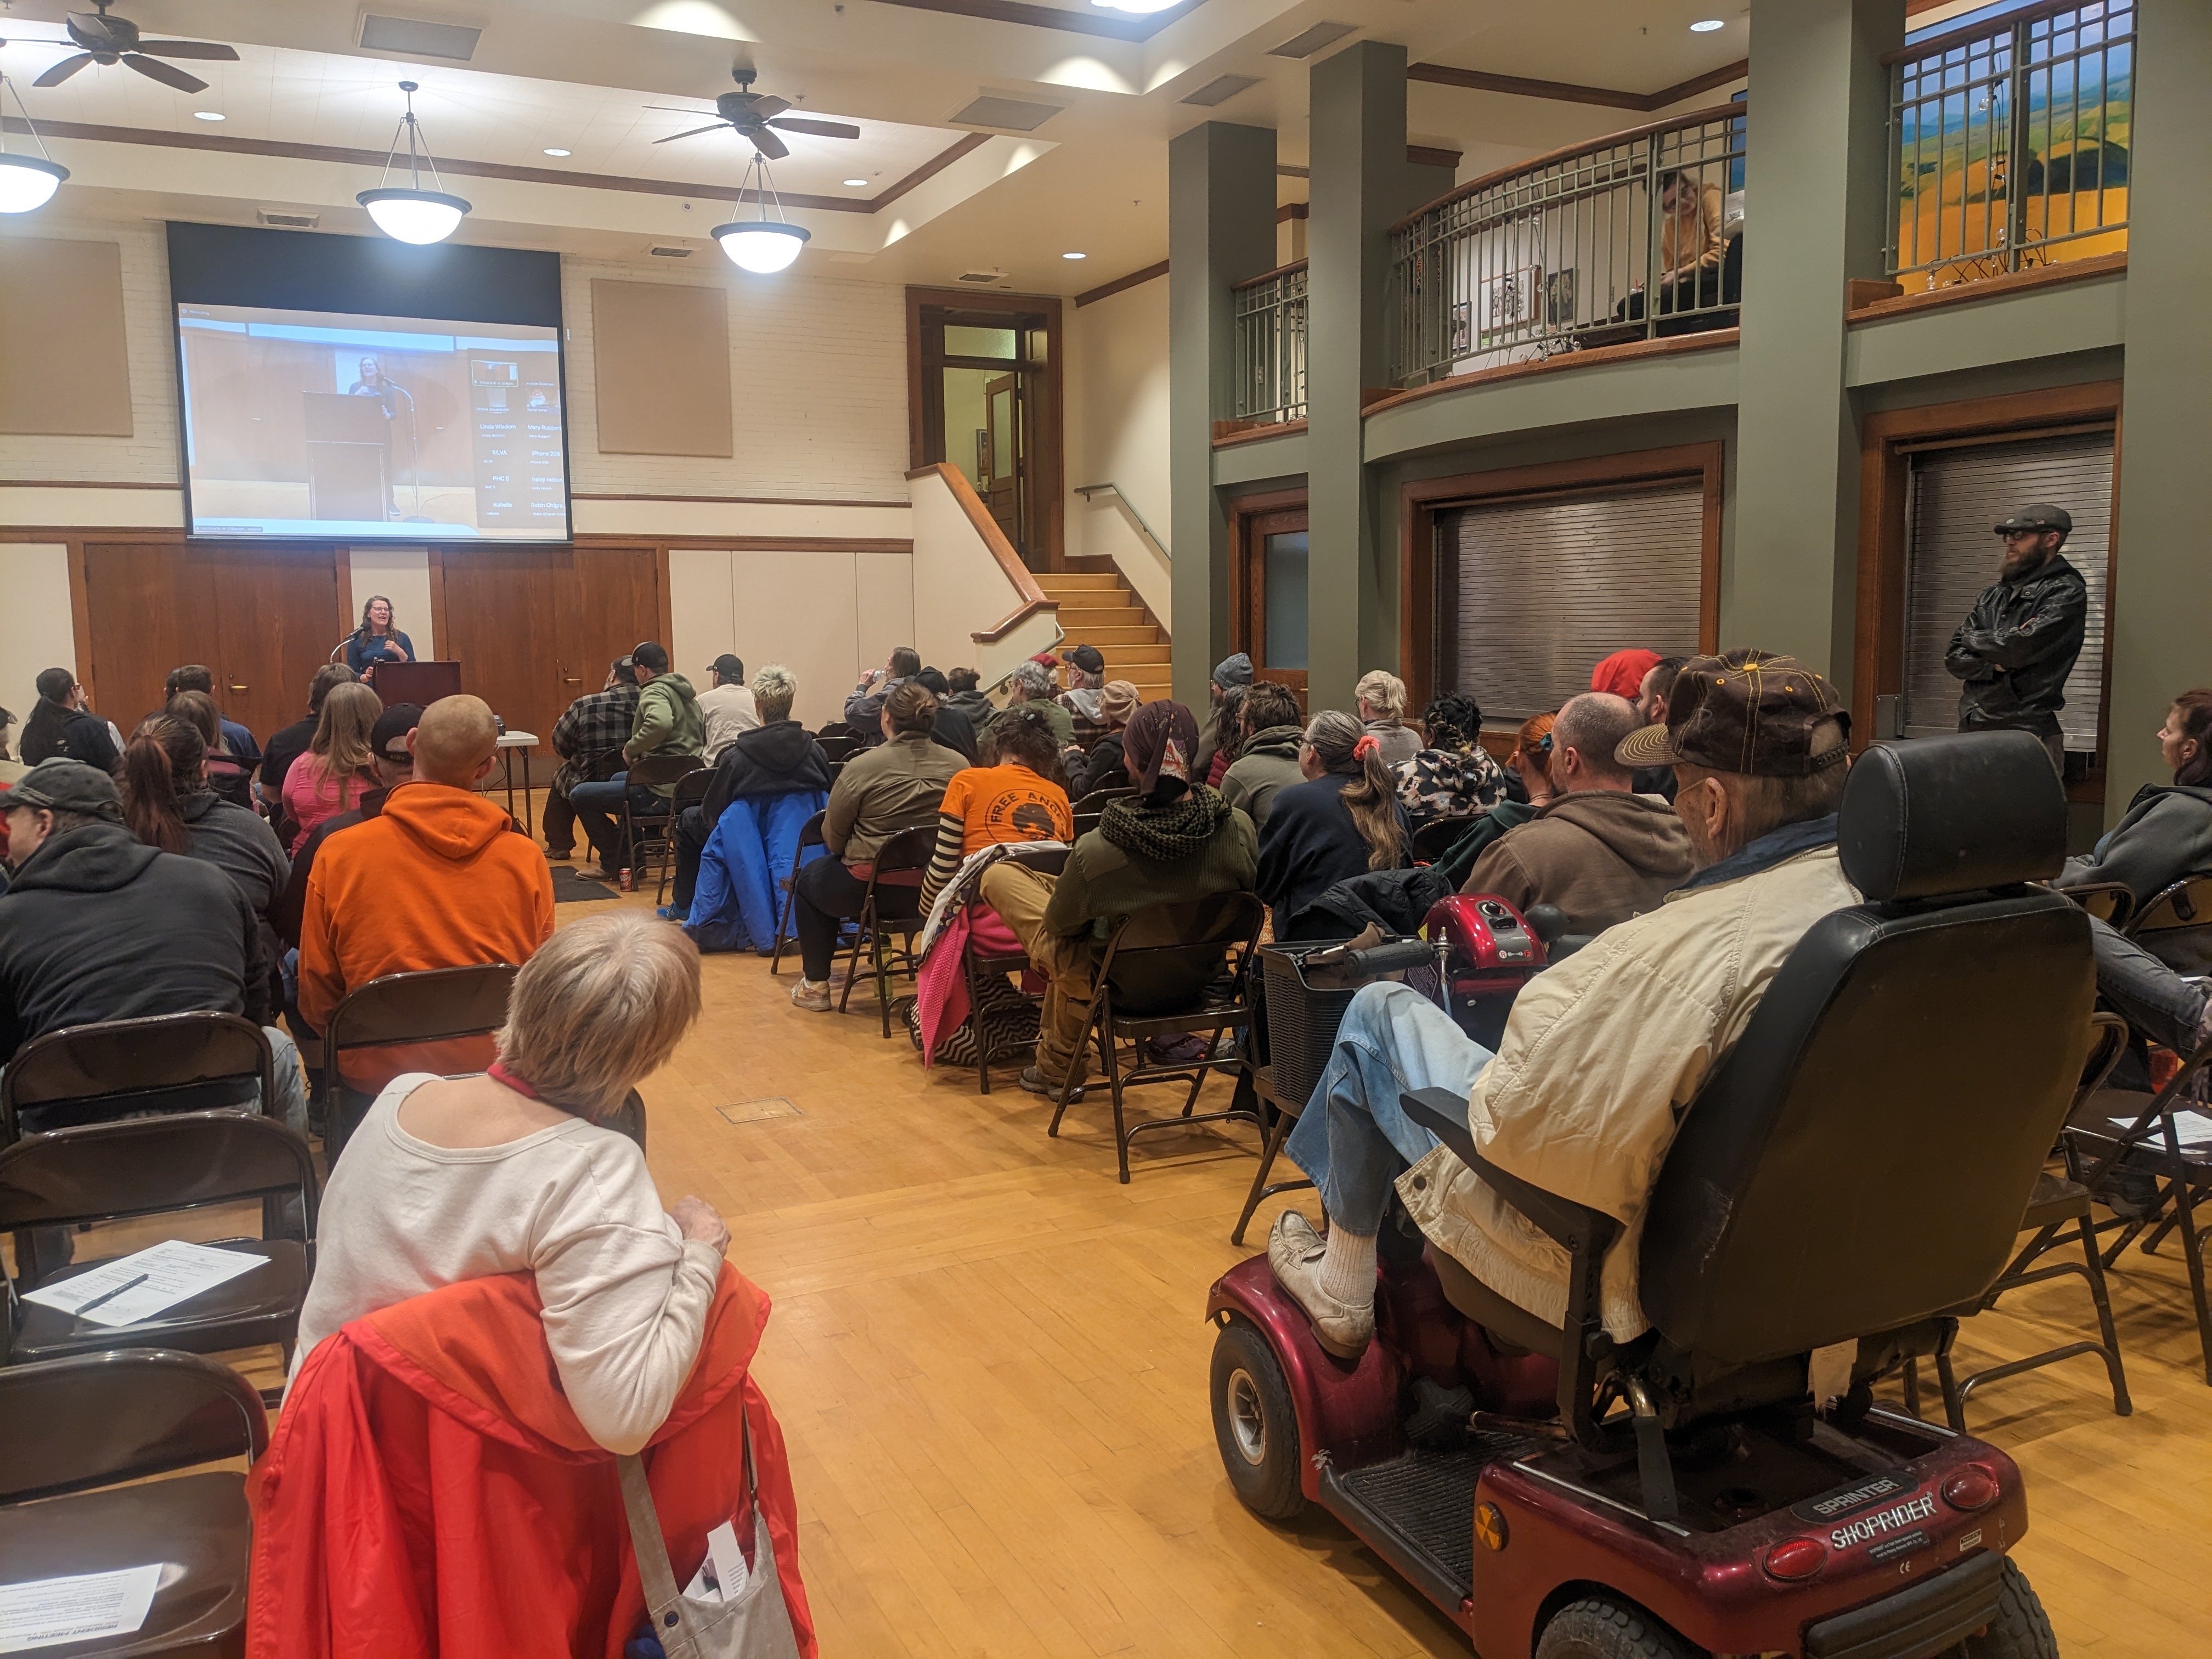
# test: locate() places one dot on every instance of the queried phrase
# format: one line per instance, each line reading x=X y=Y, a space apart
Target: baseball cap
x=1746 y=711
x=388 y=736
x=1086 y=658
x=728 y=667
x=2036 y=515
x=68 y=785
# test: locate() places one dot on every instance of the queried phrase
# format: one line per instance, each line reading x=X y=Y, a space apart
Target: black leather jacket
x=2017 y=646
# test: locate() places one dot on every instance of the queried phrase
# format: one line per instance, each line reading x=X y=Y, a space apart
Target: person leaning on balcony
x=1690 y=240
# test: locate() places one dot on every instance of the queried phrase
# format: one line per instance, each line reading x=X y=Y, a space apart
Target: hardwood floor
x=990 y=1359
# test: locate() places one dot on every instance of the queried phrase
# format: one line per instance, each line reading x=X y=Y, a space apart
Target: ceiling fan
x=756 y=115
x=115 y=40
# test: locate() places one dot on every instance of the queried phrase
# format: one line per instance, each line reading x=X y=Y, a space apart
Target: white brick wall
x=818 y=369
x=149 y=455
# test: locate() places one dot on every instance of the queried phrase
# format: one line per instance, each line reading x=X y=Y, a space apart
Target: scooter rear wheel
x=2020 y=1629
x=1254 y=1425
x=1599 y=1627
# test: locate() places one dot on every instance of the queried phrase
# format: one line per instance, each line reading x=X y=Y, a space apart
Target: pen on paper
x=110 y=1296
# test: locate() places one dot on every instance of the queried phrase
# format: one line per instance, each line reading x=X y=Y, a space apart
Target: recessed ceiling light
x=1137 y=6
x=208 y=115
x=556 y=152
x=856 y=184
x=1073 y=256
x=1708 y=26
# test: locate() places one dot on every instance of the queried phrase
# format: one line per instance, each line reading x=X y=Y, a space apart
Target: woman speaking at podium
x=376 y=639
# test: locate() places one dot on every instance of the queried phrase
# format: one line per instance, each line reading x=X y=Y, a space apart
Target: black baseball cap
x=2036 y=515
x=728 y=667
x=388 y=736
x=1086 y=658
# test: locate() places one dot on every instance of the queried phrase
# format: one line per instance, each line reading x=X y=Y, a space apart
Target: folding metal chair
x=690 y=791
x=648 y=832
x=2175 y=924
x=164 y=1062
x=80 y=1497
x=906 y=852
x=2108 y=901
x=1168 y=988
x=1092 y=807
x=977 y=966
x=1438 y=837
x=436 y=1004
x=809 y=834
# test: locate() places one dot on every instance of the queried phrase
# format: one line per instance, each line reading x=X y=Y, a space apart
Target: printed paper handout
x=134 y=1287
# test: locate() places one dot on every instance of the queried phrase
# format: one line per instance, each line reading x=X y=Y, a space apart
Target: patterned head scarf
x=1162 y=737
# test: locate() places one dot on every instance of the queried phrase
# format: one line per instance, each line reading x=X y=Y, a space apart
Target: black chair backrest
x=1095 y=801
x=152 y=1166
x=835 y=729
x=1438 y=837
x=128 y=1065
x=909 y=849
x=691 y=788
x=1860 y=1160
x=422 y=1007
x=126 y=1414
x=1161 y=960
x=810 y=833
x=656 y=769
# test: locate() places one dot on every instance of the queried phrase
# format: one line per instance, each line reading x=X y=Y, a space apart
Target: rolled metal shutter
x=1957 y=496
x=1544 y=589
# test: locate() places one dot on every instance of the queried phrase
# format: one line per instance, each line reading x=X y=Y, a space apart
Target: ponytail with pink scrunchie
x=1367 y=745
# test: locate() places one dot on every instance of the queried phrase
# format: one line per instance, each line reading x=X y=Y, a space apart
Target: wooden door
x=1269 y=619
x=534 y=629
x=1002 y=492
x=262 y=618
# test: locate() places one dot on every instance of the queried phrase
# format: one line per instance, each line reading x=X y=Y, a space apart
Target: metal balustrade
x=1270 y=383
x=1629 y=237
x=2010 y=142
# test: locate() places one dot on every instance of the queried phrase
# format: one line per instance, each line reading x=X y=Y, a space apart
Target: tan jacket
x=897 y=785
x=1600 y=1057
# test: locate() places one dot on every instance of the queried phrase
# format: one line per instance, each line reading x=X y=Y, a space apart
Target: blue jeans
x=598 y=809
x=1354 y=1138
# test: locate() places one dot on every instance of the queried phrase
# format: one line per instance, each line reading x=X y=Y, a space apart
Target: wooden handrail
x=1990 y=29
x=1696 y=118
x=1033 y=598
x=1276 y=274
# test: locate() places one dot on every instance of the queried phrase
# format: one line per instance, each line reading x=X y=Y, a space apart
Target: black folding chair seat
x=128 y=1416
x=258 y=1307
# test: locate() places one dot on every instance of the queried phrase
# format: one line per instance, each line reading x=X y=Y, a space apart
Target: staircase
x=1097 y=607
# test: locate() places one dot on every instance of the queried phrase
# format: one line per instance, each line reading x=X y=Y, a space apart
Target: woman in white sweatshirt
x=510 y=1171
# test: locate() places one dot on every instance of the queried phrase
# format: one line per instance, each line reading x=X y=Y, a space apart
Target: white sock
x=1347 y=1272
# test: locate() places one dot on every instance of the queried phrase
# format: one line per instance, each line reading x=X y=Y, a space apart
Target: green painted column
x=1816 y=195
x=2161 y=618
x=1360 y=186
x=1221 y=229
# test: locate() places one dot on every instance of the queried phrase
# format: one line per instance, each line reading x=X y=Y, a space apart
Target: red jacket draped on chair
x=429 y=1489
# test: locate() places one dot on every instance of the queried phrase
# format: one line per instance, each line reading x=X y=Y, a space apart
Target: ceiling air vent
x=1312 y=41
x=1221 y=89
x=411 y=37
x=660 y=252
x=1012 y=114
x=288 y=221
x=981 y=278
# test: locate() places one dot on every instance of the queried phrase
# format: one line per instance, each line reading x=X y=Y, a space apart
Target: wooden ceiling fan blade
x=819 y=129
x=763 y=106
x=694 y=133
x=767 y=142
x=168 y=74
x=203 y=49
x=62 y=71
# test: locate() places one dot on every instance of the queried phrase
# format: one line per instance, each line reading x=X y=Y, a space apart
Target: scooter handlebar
x=1392 y=959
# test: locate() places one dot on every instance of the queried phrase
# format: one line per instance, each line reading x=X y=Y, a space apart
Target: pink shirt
x=311 y=796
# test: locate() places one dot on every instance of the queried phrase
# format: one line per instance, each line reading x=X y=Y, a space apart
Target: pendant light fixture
x=761 y=245
x=25 y=181
x=412 y=213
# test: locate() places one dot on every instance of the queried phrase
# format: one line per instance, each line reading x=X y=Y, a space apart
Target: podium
x=423 y=682
x=348 y=456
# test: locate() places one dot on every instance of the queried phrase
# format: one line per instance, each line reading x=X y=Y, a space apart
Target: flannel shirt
x=589 y=737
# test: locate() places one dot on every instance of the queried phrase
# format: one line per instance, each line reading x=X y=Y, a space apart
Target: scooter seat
x=1500 y=1319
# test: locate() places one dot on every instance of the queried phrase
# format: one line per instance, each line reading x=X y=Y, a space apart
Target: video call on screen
x=317 y=423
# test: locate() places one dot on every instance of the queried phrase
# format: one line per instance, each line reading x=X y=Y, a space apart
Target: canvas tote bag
x=751 y=1623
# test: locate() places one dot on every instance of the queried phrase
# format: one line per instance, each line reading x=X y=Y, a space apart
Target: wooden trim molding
x=1568 y=92
x=1886 y=440
x=1018 y=575
x=1990 y=288
x=965 y=144
x=1935 y=45
x=1422 y=500
x=737 y=500
x=1631 y=351
x=80 y=483
x=1120 y=285
x=1227 y=435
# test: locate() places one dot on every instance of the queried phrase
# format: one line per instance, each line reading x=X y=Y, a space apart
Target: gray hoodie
x=1267 y=764
x=2166 y=835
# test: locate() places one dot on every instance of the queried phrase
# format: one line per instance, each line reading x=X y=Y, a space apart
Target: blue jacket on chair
x=750 y=853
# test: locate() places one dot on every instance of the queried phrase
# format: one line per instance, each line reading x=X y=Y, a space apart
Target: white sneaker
x=1295 y=1252
x=811 y=994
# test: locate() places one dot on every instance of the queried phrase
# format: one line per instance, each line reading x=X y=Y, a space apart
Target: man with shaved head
x=1599 y=851
x=435 y=879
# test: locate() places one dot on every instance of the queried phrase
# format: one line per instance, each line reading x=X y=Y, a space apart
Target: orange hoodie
x=435 y=880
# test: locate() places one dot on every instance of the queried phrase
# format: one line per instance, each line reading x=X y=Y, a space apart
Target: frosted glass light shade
x=26 y=182
x=1140 y=7
x=414 y=215
x=762 y=247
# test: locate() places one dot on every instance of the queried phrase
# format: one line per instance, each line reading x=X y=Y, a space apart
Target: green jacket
x=668 y=723
x=1101 y=884
x=1062 y=722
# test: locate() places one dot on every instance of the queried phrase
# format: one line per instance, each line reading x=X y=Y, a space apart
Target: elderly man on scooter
x=1603 y=1052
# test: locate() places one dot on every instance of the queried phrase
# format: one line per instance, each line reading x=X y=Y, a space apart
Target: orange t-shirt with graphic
x=996 y=804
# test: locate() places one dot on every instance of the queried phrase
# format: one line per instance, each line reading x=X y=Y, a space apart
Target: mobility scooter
x=1856 y=1165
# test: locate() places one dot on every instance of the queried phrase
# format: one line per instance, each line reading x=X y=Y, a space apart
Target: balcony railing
x=2009 y=142
x=1619 y=239
x=1270 y=384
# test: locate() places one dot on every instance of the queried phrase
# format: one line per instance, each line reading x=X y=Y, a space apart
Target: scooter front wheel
x=2020 y=1629
x=1599 y=1627
x=1254 y=1425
